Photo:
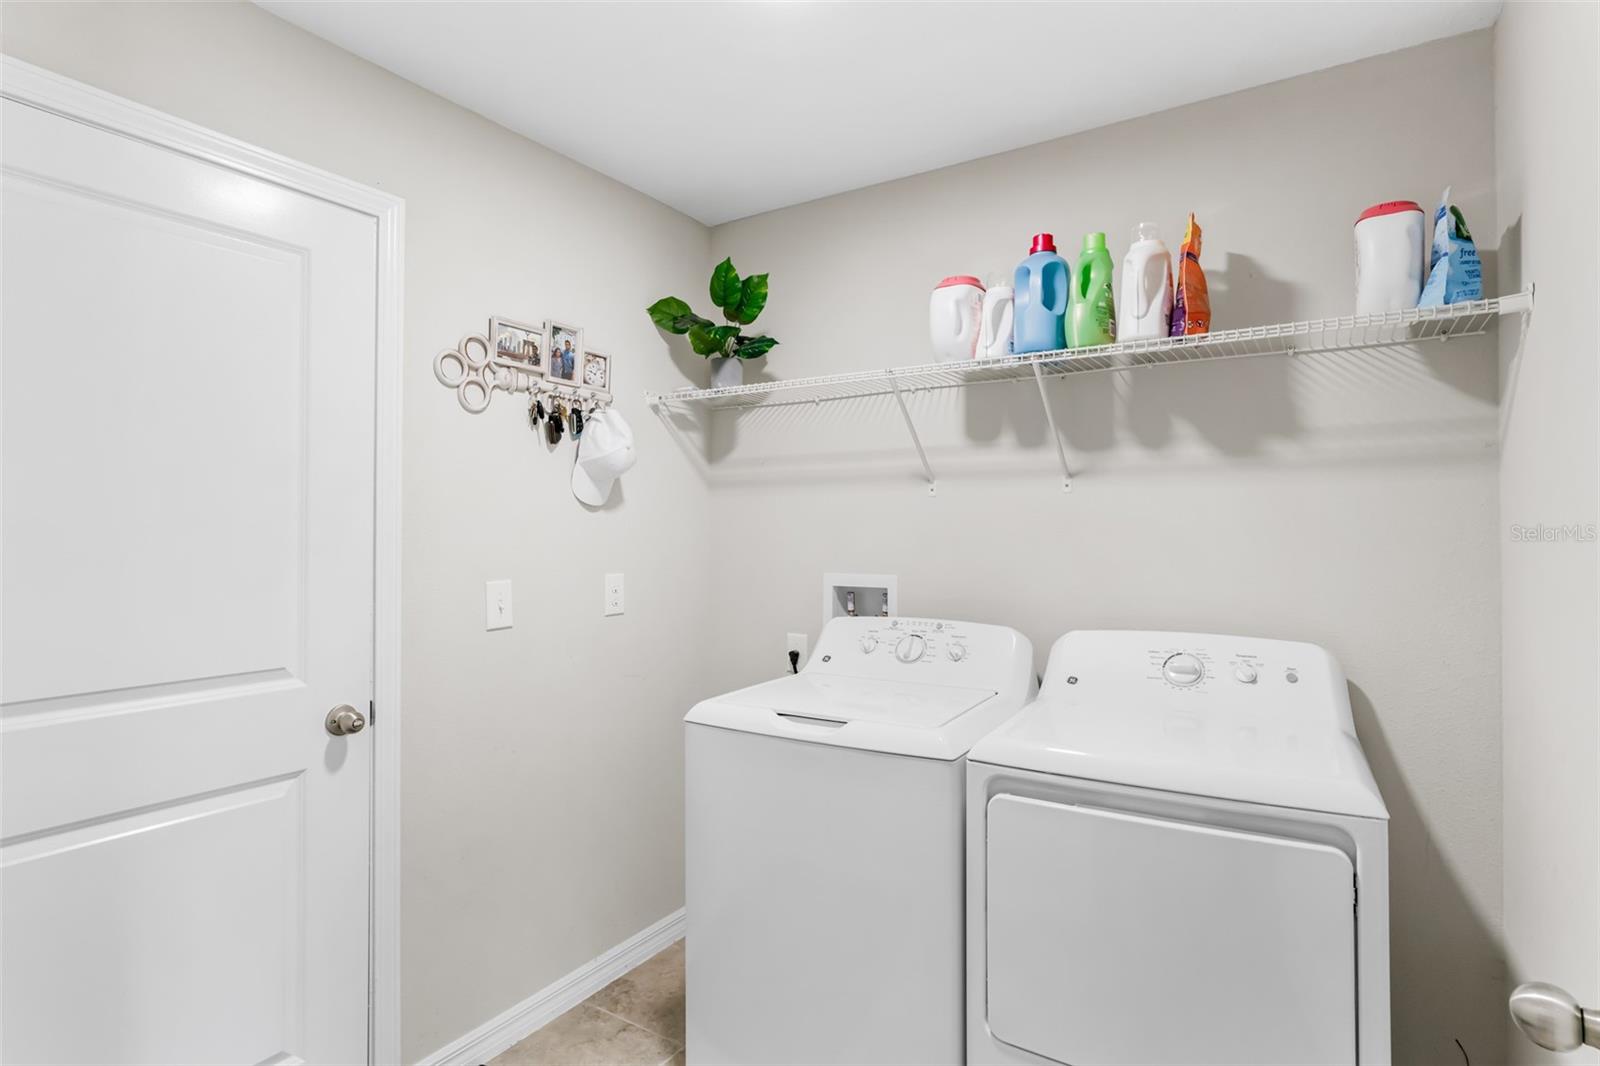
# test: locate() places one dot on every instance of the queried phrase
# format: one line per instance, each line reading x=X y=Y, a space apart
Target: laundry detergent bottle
x=1144 y=307
x=1092 y=317
x=1039 y=303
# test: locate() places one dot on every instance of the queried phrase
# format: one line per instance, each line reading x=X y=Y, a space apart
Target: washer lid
x=898 y=717
x=926 y=687
x=908 y=704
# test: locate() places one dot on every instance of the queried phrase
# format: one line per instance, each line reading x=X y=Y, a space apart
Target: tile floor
x=636 y=1020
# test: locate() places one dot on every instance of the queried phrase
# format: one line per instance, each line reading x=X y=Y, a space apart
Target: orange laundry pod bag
x=1191 y=306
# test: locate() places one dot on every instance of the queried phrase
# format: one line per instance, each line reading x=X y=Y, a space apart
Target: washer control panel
x=925 y=649
x=912 y=640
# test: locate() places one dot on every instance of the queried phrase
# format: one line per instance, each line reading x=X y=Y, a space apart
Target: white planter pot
x=726 y=372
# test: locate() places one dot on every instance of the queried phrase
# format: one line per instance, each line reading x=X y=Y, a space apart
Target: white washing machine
x=824 y=845
x=1177 y=854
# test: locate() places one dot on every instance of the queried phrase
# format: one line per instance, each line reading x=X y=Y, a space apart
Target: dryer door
x=1119 y=939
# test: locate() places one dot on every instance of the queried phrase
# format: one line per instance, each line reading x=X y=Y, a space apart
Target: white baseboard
x=549 y=1003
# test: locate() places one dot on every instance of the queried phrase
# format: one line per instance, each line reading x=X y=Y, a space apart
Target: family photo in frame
x=520 y=343
x=565 y=348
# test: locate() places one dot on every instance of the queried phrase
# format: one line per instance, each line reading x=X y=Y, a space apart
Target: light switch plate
x=613 y=600
x=497 y=604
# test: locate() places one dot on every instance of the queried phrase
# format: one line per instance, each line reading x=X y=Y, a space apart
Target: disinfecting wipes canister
x=1389 y=257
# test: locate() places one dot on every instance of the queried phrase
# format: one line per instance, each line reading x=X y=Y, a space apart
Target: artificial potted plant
x=726 y=346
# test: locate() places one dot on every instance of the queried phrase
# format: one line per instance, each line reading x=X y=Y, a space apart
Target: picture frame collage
x=553 y=351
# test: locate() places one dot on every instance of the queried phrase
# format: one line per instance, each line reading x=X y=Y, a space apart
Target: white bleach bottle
x=1144 y=306
x=994 y=338
x=954 y=315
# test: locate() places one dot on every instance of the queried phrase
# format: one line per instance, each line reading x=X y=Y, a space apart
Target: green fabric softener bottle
x=1092 y=314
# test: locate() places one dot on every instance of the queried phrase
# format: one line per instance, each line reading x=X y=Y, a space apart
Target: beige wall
x=1348 y=501
x=522 y=857
x=1545 y=133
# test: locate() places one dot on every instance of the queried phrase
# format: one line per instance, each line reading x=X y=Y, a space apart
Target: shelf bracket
x=1055 y=434
x=665 y=410
x=933 y=485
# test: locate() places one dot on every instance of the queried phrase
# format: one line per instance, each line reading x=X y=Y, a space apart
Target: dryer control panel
x=1198 y=672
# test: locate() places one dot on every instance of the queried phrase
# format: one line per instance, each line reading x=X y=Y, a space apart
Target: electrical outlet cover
x=613 y=594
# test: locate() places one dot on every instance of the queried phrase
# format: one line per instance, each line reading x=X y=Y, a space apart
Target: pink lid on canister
x=1389 y=207
x=959 y=279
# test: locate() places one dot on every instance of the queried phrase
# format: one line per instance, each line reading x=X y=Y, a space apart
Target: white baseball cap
x=605 y=453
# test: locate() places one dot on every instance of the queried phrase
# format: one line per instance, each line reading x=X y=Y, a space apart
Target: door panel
x=229 y=994
x=216 y=399
x=188 y=461
x=1120 y=939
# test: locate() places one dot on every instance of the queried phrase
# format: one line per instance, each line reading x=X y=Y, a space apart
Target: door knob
x=344 y=720
x=1551 y=1018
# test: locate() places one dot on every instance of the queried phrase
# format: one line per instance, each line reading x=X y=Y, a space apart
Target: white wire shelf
x=1395 y=330
x=1348 y=333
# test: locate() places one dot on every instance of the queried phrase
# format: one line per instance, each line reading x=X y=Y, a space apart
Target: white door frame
x=37 y=87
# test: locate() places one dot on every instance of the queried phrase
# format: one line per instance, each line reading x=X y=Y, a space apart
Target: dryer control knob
x=1183 y=669
x=869 y=643
x=1245 y=673
x=957 y=652
x=910 y=648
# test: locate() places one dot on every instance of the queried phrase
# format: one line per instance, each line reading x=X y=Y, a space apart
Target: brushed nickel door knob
x=344 y=720
x=1551 y=1018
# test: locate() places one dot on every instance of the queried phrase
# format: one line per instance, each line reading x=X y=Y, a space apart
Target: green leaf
x=753 y=298
x=707 y=339
x=684 y=323
x=754 y=347
x=701 y=339
x=668 y=312
x=726 y=288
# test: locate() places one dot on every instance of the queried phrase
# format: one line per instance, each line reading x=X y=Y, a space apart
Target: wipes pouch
x=1454 y=273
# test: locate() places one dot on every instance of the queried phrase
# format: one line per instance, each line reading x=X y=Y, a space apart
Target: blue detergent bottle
x=1043 y=282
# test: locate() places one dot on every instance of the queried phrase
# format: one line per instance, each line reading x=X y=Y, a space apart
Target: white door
x=188 y=400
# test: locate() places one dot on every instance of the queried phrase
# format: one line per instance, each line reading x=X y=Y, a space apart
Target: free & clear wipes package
x=1454 y=273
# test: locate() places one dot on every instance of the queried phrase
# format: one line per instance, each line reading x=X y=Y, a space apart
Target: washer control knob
x=1245 y=673
x=957 y=652
x=869 y=643
x=910 y=648
x=1183 y=669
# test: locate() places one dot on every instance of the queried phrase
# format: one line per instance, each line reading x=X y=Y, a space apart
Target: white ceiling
x=724 y=110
